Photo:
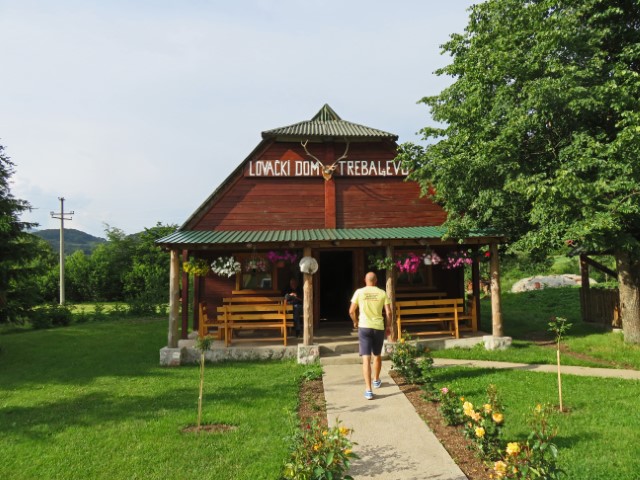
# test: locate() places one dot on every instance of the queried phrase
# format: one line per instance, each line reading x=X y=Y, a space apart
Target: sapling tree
x=559 y=326
x=202 y=344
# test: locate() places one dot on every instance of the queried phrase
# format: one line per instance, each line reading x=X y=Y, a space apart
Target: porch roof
x=199 y=238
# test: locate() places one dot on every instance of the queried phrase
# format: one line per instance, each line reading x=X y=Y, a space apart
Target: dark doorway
x=336 y=285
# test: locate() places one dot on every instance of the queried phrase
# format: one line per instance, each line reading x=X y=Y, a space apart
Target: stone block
x=170 y=357
x=496 y=343
x=308 y=354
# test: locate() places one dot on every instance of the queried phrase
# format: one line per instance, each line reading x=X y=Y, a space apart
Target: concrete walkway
x=393 y=442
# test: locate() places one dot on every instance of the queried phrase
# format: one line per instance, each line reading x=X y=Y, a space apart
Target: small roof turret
x=327 y=125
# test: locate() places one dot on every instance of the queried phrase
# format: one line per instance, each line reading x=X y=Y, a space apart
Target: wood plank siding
x=283 y=202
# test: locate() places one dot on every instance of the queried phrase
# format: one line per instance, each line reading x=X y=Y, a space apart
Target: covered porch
x=342 y=256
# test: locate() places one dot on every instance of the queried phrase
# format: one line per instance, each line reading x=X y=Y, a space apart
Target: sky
x=135 y=111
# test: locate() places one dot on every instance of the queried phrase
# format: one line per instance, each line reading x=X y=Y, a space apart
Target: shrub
x=483 y=426
x=403 y=358
x=451 y=407
x=52 y=316
x=320 y=453
x=537 y=457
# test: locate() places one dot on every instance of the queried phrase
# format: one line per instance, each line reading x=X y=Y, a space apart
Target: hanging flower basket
x=409 y=263
x=256 y=264
x=225 y=266
x=198 y=267
x=280 y=259
x=380 y=262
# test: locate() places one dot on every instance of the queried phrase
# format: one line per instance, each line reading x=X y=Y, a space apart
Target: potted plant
x=256 y=264
x=198 y=267
x=280 y=259
x=225 y=266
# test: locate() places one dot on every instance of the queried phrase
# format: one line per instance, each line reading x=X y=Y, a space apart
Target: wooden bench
x=256 y=315
x=445 y=313
x=207 y=324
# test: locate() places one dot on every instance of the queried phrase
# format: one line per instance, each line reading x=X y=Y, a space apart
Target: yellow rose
x=316 y=447
x=476 y=416
x=487 y=408
x=513 y=448
x=325 y=433
x=462 y=399
x=344 y=431
x=500 y=468
x=479 y=432
x=347 y=451
x=467 y=407
x=497 y=417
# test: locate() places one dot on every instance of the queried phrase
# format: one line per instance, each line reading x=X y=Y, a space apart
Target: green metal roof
x=327 y=123
x=229 y=237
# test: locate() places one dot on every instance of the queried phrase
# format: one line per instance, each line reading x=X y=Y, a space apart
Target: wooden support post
x=197 y=280
x=475 y=282
x=185 y=298
x=584 y=291
x=496 y=307
x=391 y=293
x=174 y=299
x=307 y=306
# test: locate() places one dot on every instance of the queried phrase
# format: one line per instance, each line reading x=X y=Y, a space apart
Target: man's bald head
x=370 y=279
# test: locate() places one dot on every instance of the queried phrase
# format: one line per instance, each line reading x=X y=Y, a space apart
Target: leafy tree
x=78 y=268
x=149 y=274
x=540 y=134
x=17 y=249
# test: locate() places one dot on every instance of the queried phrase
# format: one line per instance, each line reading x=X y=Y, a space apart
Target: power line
x=62 y=217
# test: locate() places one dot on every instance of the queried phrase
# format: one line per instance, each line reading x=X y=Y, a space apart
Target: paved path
x=582 y=371
x=393 y=442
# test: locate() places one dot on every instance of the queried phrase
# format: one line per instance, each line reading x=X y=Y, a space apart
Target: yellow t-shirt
x=371 y=302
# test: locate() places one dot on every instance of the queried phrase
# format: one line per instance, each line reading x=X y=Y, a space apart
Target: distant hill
x=73 y=240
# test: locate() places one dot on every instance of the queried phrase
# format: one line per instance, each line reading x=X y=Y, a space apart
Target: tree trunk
x=496 y=305
x=629 y=284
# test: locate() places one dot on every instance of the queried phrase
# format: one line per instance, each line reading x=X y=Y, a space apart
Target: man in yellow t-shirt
x=371 y=302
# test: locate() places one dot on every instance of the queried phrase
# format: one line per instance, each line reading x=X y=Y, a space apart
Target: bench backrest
x=436 y=306
x=255 y=311
x=252 y=299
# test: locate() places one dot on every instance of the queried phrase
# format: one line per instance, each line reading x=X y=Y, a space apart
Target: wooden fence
x=600 y=305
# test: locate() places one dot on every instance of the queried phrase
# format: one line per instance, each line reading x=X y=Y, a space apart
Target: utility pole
x=61 y=216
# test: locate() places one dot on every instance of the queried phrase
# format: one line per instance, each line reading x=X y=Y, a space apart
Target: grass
x=90 y=401
x=597 y=439
x=525 y=318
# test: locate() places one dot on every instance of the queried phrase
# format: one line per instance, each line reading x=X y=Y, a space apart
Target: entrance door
x=336 y=286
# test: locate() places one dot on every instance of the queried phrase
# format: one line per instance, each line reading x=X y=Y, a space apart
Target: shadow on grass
x=91 y=410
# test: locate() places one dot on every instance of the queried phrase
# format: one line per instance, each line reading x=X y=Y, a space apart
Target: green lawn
x=90 y=401
x=525 y=317
x=598 y=439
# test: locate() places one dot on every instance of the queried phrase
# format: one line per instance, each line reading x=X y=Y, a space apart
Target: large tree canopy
x=541 y=130
x=17 y=249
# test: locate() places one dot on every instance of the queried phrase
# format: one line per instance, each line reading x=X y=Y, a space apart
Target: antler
x=327 y=171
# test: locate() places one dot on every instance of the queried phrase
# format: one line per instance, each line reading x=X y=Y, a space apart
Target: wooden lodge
x=333 y=192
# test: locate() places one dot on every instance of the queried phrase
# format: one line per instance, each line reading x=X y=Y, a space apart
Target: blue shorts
x=371 y=341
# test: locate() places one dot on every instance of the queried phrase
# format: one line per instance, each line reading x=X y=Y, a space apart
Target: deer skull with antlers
x=327 y=170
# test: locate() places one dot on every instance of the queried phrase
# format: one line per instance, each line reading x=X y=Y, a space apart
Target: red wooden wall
x=289 y=202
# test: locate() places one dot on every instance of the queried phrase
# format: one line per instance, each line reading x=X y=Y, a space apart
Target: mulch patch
x=313 y=405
